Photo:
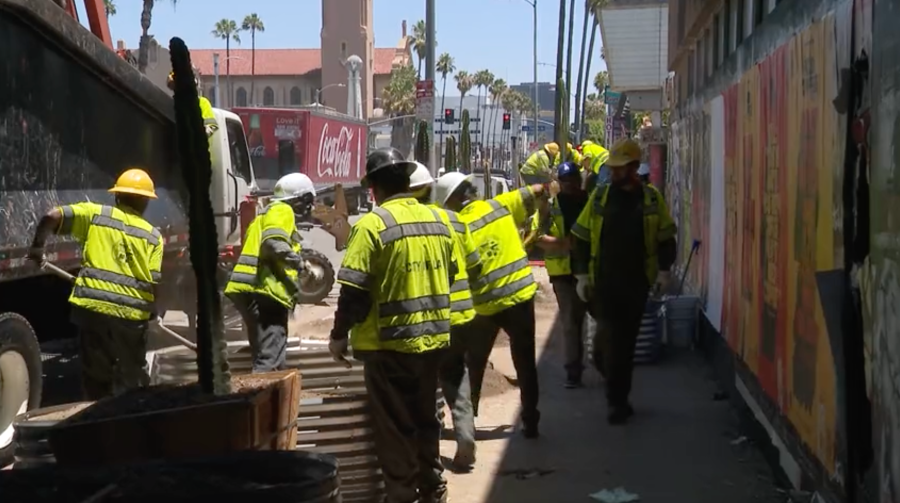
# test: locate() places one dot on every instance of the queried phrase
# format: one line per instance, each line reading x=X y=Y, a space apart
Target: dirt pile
x=495 y=383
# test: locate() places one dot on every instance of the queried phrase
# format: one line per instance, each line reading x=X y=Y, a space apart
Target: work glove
x=36 y=255
x=582 y=287
x=663 y=282
x=210 y=129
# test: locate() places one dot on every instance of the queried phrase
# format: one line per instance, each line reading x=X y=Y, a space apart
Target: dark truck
x=73 y=115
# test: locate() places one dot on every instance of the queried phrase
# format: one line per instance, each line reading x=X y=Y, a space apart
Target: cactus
x=562 y=127
x=450 y=155
x=465 y=145
x=421 y=153
x=196 y=168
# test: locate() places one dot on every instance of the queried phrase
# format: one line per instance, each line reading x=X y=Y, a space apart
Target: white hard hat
x=644 y=169
x=420 y=177
x=293 y=185
x=447 y=185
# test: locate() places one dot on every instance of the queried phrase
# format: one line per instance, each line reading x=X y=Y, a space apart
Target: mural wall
x=783 y=159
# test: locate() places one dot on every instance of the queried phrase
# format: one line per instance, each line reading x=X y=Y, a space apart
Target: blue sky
x=492 y=34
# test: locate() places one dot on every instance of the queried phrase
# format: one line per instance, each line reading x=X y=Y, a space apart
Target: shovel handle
x=47 y=266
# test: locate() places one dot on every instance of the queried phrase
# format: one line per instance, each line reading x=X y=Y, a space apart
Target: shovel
x=166 y=330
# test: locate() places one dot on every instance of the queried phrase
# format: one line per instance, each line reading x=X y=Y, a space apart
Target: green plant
x=465 y=144
x=196 y=169
x=422 y=142
x=450 y=155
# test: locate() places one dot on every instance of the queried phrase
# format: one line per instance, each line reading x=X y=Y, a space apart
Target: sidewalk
x=681 y=447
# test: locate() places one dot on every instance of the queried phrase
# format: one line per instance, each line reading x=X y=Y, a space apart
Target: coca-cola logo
x=334 y=153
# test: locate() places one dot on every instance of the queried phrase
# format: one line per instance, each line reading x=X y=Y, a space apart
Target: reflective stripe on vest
x=407 y=309
x=131 y=298
x=462 y=307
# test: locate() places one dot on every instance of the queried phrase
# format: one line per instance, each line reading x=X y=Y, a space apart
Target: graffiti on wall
x=779 y=210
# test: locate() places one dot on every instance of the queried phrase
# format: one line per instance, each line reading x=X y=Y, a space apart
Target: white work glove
x=210 y=129
x=663 y=281
x=582 y=287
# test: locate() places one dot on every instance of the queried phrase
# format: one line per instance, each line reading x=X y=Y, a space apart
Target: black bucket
x=31 y=432
x=270 y=476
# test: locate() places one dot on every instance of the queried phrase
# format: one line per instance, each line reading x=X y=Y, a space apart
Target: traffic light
x=449 y=116
x=506 y=121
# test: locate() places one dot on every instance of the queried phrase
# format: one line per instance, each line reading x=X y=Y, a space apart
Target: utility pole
x=430 y=63
x=216 y=74
x=536 y=106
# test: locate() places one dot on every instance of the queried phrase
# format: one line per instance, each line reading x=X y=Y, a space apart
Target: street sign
x=425 y=100
x=528 y=129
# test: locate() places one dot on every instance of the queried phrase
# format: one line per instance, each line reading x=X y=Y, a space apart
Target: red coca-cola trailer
x=327 y=146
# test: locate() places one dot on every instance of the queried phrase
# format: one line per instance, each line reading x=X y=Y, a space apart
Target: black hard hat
x=385 y=158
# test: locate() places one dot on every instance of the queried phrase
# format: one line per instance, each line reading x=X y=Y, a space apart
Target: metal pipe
x=430 y=64
x=535 y=69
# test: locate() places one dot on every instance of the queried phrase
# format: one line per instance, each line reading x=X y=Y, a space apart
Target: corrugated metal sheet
x=636 y=43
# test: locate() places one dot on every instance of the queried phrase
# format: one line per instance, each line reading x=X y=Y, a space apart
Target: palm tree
x=464 y=85
x=601 y=80
x=512 y=104
x=444 y=66
x=227 y=30
x=110 y=7
x=482 y=80
x=418 y=44
x=560 y=48
x=497 y=89
x=253 y=24
x=144 y=47
x=399 y=100
x=595 y=24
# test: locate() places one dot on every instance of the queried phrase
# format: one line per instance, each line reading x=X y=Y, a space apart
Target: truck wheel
x=312 y=291
x=21 y=377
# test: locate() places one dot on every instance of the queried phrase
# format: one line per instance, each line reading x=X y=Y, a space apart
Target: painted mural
x=782 y=154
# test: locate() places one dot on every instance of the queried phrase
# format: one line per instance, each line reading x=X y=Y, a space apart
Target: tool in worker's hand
x=47 y=266
x=338 y=350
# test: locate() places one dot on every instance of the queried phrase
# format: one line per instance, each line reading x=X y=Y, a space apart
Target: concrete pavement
x=682 y=446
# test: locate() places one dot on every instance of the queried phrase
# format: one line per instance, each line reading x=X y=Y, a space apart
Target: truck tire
x=312 y=291
x=21 y=377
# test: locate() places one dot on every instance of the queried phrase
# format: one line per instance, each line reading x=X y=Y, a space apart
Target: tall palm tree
x=588 y=16
x=227 y=30
x=595 y=24
x=497 y=89
x=418 y=44
x=444 y=66
x=482 y=80
x=560 y=52
x=110 y=7
x=399 y=100
x=601 y=80
x=253 y=24
x=512 y=104
x=144 y=47
x=464 y=85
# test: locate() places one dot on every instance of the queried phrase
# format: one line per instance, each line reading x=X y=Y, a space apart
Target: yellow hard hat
x=552 y=148
x=134 y=181
x=624 y=152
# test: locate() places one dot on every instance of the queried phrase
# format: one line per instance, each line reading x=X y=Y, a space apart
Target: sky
x=479 y=34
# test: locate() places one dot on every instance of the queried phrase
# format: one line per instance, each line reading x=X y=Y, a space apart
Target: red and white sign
x=425 y=101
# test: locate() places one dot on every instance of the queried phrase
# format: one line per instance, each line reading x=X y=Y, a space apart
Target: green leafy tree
x=399 y=101
x=228 y=30
x=444 y=67
x=254 y=25
x=601 y=80
x=464 y=83
x=482 y=80
x=110 y=7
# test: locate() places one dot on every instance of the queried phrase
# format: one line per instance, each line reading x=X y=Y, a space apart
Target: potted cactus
x=450 y=155
x=465 y=145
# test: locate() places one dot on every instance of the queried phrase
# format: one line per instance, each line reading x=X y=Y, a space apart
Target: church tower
x=347 y=30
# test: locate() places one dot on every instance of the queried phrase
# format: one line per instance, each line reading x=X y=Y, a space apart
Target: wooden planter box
x=181 y=422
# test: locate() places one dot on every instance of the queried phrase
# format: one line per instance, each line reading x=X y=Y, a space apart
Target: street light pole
x=430 y=63
x=319 y=91
x=216 y=74
x=533 y=4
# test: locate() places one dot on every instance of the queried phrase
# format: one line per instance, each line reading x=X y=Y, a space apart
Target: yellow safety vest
x=557 y=263
x=121 y=261
x=206 y=111
x=539 y=164
x=600 y=156
x=506 y=278
x=658 y=227
x=402 y=254
x=462 y=308
x=275 y=222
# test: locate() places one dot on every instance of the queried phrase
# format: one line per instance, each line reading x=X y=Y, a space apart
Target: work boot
x=619 y=414
x=434 y=497
x=530 y=430
x=573 y=381
x=465 y=455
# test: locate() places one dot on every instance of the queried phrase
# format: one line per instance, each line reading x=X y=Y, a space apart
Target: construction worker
x=595 y=157
x=395 y=296
x=644 y=173
x=454 y=375
x=263 y=284
x=504 y=292
x=541 y=163
x=554 y=240
x=206 y=109
x=113 y=301
x=625 y=243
